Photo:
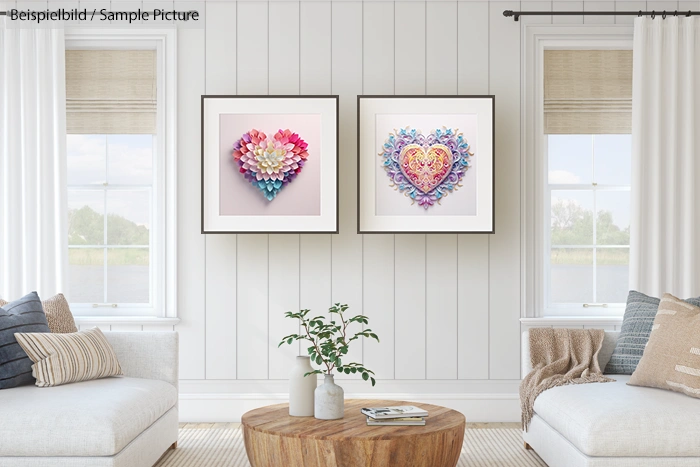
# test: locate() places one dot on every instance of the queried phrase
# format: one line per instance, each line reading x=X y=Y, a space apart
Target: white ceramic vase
x=301 y=389
x=329 y=400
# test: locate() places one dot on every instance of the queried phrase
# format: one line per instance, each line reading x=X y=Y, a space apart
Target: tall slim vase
x=301 y=389
x=330 y=400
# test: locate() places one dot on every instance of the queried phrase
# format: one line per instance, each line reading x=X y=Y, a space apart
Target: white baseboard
x=229 y=407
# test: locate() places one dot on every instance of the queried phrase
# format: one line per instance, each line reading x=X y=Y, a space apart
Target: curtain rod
x=517 y=14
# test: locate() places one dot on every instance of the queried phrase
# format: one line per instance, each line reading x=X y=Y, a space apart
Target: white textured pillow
x=68 y=358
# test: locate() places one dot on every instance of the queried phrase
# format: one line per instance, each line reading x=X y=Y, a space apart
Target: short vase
x=301 y=389
x=329 y=400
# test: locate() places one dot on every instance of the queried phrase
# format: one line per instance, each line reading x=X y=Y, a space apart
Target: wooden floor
x=205 y=426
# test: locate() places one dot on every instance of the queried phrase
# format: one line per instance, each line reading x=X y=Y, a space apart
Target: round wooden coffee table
x=273 y=438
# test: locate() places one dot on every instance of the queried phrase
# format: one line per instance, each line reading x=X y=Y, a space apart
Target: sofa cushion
x=22 y=315
x=69 y=357
x=614 y=419
x=636 y=326
x=90 y=418
x=58 y=313
x=672 y=357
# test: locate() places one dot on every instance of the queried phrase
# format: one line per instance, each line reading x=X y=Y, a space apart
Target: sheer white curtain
x=665 y=229
x=33 y=232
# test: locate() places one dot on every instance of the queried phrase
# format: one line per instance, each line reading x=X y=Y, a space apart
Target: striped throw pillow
x=68 y=358
x=58 y=313
x=671 y=359
x=23 y=315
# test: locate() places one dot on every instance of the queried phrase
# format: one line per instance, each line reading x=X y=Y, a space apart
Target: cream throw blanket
x=560 y=357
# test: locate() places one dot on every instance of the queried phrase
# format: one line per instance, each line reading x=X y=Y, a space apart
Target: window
x=588 y=206
x=577 y=171
x=120 y=173
x=110 y=210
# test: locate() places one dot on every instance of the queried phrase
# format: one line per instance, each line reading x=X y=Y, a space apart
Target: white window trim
x=610 y=323
x=164 y=281
x=535 y=40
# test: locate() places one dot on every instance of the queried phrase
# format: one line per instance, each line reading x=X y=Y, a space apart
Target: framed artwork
x=425 y=164
x=269 y=164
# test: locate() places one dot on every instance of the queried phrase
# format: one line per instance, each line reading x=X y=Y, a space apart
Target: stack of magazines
x=404 y=415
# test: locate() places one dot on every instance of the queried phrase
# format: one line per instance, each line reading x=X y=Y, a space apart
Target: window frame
x=163 y=254
x=535 y=242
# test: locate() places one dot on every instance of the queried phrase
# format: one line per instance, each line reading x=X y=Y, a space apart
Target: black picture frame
x=360 y=99
x=335 y=97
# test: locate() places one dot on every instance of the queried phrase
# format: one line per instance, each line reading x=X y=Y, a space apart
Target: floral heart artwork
x=270 y=162
x=426 y=168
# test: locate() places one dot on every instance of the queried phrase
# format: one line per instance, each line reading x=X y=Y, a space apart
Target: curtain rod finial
x=511 y=13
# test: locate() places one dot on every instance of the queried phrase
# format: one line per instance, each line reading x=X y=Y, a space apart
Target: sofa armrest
x=150 y=355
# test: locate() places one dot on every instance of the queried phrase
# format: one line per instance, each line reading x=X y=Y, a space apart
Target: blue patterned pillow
x=23 y=315
x=634 y=335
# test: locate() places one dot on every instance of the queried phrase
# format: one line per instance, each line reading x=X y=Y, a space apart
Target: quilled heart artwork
x=270 y=162
x=426 y=168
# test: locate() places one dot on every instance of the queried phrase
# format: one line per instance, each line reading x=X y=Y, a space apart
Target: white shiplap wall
x=447 y=307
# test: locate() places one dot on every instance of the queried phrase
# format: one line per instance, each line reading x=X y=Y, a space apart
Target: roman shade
x=111 y=91
x=587 y=91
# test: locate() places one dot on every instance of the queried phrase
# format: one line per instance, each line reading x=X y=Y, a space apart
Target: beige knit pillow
x=671 y=359
x=68 y=358
x=57 y=312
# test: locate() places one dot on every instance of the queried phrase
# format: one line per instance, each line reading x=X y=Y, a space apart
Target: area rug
x=223 y=447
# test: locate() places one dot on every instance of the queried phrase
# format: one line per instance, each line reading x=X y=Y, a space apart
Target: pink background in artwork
x=238 y=197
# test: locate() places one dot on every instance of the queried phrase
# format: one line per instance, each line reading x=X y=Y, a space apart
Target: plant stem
x=318 y=351
x=345 y=325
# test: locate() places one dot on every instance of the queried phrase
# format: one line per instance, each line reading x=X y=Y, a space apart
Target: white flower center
x=270 y=159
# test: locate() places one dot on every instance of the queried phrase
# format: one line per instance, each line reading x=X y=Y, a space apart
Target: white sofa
x=127 y=421
x=613 y=424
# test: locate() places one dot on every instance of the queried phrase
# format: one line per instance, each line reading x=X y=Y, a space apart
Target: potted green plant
x=330 y=341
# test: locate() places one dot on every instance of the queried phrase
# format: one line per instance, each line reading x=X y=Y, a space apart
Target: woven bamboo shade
x=587 y=91
x=111 y=91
